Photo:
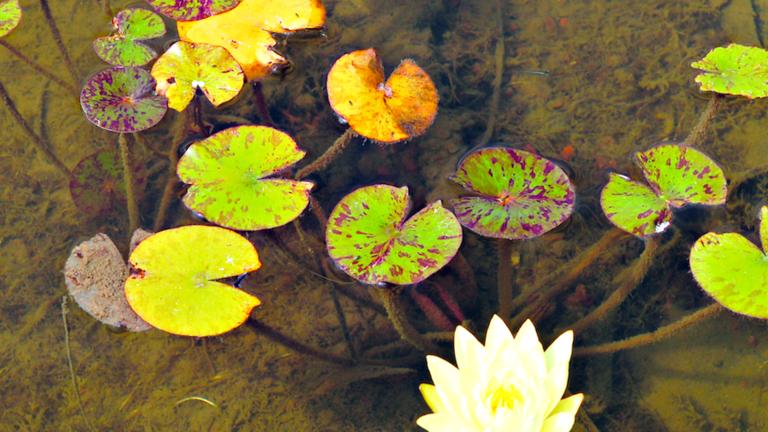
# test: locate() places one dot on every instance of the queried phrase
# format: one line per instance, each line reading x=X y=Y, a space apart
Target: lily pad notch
x=125 y=47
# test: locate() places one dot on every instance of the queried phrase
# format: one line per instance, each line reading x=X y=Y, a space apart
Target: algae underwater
x=482 y=97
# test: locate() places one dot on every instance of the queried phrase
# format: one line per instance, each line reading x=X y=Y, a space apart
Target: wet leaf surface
x=230 y=177
x=634 y=207
x=518 y=194
x=369 y=237
x=191 y=10
x=735 y=70
x=97 y=184
x=173 y=286
x=124 y=47
x=10 y=15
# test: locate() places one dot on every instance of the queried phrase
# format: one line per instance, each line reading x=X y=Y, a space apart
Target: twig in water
x=72 y=377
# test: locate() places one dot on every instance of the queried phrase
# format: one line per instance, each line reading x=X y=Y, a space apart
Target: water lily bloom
x=508 y=384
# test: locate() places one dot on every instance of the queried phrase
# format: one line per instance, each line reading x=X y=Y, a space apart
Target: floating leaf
x=228 y=172
x=122 y=99
x=173 y=280
x=186 y=67
x=677 y=175
x=369 y=237
x=97 y=182
x=736 y=70
x=401 y=108
x=191 y=10
x=518 y=194
x=246 y=31
x=734 y=270
x=10 y=15
x=124 y=48
x=95 y=274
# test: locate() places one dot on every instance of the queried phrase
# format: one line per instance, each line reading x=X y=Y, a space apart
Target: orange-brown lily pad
x=97 y=183
x=402 y=107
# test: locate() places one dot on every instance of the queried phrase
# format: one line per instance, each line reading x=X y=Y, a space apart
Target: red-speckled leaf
x=124 y=47
x=122 y=99
x=634 y=207
x=192 y=10
x=369 y=237
x=10 y=15
x=228 y=173
x=683 y=175
x=521 y=194
x=97 y=184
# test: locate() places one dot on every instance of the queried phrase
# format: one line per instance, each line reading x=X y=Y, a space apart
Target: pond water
x=587 y=83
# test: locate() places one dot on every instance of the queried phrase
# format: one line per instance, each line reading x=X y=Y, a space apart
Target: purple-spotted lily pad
x=186 y=67
x=733 y=270
x=10 y=15
x=516 y=194
x=124 y=48
x=676 y=174
x=369 y=237
x=122 y=99
x=97 y=182
x=192 y=10
x=230 y=177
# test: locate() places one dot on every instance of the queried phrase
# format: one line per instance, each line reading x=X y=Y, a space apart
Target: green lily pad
x=733 y=270
x=516 y=194
x=192 y=10
x=10 y=15
x=97 y=182
x=186 y=67
x=122 y=99
x=735 y=70
x=173 y=280
x=370 y=239
x=229 y=174
x=124 y=48
x=677 y=175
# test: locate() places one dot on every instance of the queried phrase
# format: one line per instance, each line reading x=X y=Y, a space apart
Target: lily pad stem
x=261 y=104
x=59 y=41
x=326 y=158
x=273 y=334
x=130 y=194
x=504 y=278
x=498 y=77
x=40 y=144
x=181 y=127
x=699 y=131
x=105 y=6
x=657 y=335
x=37 y=67
x=390 y=299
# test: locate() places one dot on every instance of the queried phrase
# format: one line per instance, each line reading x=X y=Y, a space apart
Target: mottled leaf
x=733 y=270
x=634 y=207
x=369 y=237
x=173 y=280
x=192 y=10
x=124 y=47
x=736 y=70
x=228 y=172
x=247 y=31
x=10 y=15
x=683 y=175
x=402 y=107
x=517 y=194
x=97 y=182
x=122 y=99
x=186 y=67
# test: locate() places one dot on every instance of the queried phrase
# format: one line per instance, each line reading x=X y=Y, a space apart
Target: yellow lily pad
x=173 y=280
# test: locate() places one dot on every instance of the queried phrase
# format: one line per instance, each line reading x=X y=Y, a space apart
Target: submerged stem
x=59 y=41
x=659 y=334
x=504 y=286
x=390 y=298
x=273 y=334
x=261 y=104
x=130 y=194
x=326 y=158
x=699 y=131
x=72 y=376
x=180 y=133
x=37 y=67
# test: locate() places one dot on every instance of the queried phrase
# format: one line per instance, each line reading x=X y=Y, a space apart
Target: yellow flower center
x=503 y=396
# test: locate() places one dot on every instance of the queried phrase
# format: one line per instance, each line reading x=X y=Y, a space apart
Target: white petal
x=444 y=423
x=562 y=422
x=469 y=352
x=530 y=352
x=569 y=405
x=560 y=350
x=432 y=398
x=444 y=375
x=498 y=335
x=558 y=356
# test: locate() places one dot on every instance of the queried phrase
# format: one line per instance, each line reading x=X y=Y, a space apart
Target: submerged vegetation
x=362 y=294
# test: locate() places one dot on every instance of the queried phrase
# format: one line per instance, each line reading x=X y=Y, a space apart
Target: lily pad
x=735 y=70
x=122 y=99
x=733 y=270
x=10 y=15
x=97 y=182
x=173 y=280
x=124 y=48
x=369 y=237
x=191 y=10
x=247 y=31
x=677 y=175
x=186 y=67
x=229 y=173
x=516 y=194
x=402 y=107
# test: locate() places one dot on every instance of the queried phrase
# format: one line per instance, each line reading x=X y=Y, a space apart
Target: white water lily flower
x=510 y=384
